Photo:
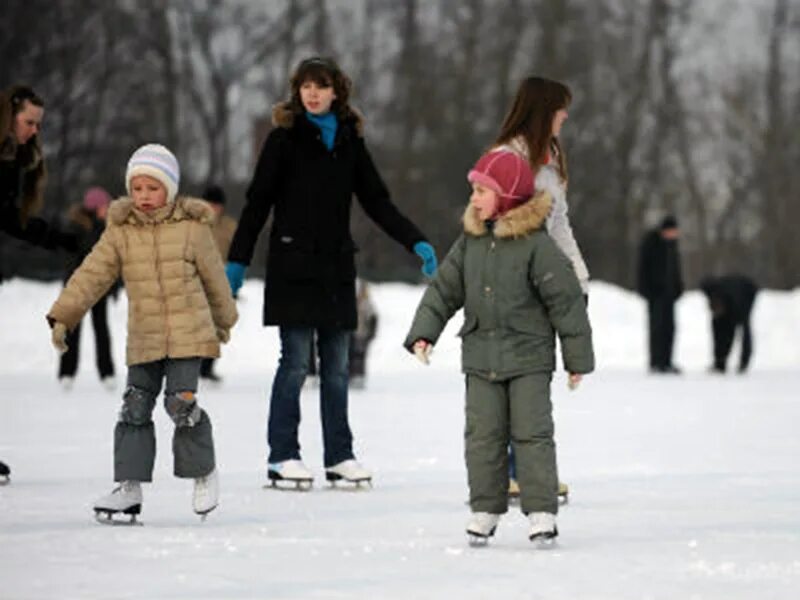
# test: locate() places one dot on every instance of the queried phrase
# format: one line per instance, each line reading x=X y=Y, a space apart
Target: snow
x=682 y=487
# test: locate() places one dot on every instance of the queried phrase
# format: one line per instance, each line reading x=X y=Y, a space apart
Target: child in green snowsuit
x=517 y=289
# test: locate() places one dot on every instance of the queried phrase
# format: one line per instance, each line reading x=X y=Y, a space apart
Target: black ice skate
x=125 y=499
x=5 y=473
x=350 y=471
x=291 y=472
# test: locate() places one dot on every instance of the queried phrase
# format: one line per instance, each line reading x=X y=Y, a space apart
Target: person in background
x=223 y=229
x=730 y=300
x=363 y=335
x=89 y=220
x=660 y=283
x=22 y=180
x=532 y=128
x=312 y=164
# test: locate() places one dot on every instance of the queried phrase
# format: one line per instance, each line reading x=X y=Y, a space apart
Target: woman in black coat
x=22 y=177
x=310 y=166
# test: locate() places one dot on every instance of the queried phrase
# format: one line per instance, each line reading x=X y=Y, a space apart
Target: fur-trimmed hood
x=517 y=222
x=123 y=211
x=284 y=116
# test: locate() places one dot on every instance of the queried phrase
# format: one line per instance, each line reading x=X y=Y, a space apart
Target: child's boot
x=543 y=529
x=206 y=493
x=126 y=498
x=481 y=527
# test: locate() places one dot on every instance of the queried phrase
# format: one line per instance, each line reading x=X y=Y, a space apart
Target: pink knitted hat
x=507 y=173
x=95 y=197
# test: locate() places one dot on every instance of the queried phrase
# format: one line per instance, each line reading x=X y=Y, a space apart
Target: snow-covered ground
x=682 y=487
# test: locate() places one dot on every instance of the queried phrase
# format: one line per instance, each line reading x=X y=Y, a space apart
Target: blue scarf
x=328 y=124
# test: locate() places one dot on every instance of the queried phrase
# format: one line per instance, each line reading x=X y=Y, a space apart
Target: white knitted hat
x=157 y=162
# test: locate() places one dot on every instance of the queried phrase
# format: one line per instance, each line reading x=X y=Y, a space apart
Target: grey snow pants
x=134 y=434
x=519 y=411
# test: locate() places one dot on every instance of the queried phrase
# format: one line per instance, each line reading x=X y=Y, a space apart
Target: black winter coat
x=659 y=273
x=35 y=230
x=730 y=296
x=310 y=279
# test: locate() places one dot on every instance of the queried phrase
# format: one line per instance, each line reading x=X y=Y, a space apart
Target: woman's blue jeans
x=284 y=404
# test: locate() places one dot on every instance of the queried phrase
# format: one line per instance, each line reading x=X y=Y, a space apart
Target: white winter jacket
x=547 y=178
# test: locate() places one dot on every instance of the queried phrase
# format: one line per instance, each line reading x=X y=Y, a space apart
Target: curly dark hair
x=325 y=73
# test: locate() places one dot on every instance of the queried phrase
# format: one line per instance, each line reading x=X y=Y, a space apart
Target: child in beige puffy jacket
x=179 y=310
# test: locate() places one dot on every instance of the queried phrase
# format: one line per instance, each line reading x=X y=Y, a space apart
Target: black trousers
x=724 y=329
x=105 y=363
x=661 y=314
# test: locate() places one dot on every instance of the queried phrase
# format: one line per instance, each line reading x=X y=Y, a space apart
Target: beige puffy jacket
x=179 y=300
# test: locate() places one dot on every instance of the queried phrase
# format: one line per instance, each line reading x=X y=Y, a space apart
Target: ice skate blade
x=334 y=478
x=106 y=517
x=299 y=485
x=543 y=541
x=203 y=514
x=354 y=485
x=477 y=540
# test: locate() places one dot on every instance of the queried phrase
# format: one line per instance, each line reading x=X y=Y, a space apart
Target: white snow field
x=682 y=487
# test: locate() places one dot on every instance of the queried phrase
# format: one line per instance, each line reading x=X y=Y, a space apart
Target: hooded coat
x=179 y=300
x=517 y=289
x=310 y=278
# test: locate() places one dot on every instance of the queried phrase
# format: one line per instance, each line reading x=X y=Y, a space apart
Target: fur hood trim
x=283 y=116
x=123 y=211
x=517 y=222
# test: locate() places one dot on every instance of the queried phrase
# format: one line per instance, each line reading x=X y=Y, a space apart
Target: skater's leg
x=532 y=437
x=134 y=435
x=512 y=462
x=669 y=330
x=192 y=441
x=336 y=434
x=724 y=329
x=68 y=364
x=102 y=338
x=284 y=404
x=486 y=445
x=747 y=345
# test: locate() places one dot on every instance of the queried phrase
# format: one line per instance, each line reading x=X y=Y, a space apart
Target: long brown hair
x=531 y=118
x=324 y=72
x=28 y=155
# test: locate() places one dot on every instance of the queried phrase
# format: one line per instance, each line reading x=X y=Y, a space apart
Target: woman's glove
x=428 y=255
x=59 y=337
x=224 y=335
x=235 y=273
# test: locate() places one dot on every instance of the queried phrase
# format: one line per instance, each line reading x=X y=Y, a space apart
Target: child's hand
x=422 y=350
x=574 y=380
x=59 y=337
x=223 y=335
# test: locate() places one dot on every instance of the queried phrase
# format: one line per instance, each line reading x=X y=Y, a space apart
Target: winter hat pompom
x=96 y=197
x=506 y=173
x=156 y=161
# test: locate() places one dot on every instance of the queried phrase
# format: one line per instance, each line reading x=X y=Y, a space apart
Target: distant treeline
x=675 y=109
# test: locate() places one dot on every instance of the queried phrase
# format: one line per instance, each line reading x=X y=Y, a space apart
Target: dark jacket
x=311 y=273
x=18 y=175
x=730 y=296
x=517 y=289
x=659 y=272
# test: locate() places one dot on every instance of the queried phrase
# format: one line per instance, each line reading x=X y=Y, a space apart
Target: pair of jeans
x=284 y=405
